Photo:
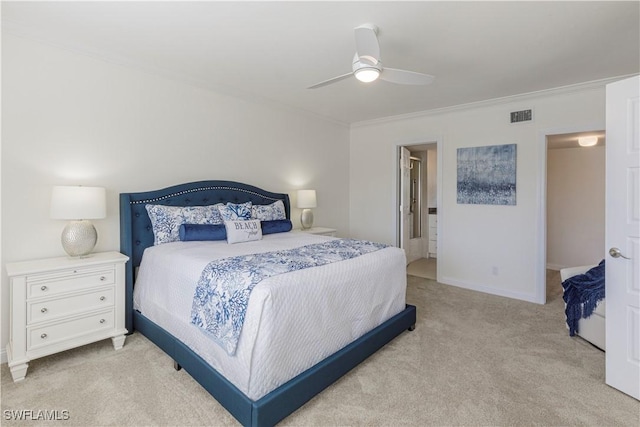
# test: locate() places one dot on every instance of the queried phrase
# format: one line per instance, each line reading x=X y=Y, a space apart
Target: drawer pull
x=43 y=310
x=43 y=336
x=102 y=320
x=103 y=298
x=102 y=278
x=43 y=288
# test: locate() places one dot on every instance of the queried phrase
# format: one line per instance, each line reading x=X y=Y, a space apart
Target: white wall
x=70 y=119
x=488 y=248
x=575 y=206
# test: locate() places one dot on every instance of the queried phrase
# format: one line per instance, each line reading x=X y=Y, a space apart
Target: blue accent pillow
x=276 y=226
x=200 y=232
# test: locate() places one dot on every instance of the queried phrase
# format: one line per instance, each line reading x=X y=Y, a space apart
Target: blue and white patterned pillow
x=270 y=212
x=202 y=214
x=235 y=211
x=166 y=220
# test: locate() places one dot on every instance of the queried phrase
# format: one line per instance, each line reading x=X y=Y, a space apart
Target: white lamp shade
x=306 y=199
x=75 y=202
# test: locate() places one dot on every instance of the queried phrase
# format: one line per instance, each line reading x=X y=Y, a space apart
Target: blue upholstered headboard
x=136 y=233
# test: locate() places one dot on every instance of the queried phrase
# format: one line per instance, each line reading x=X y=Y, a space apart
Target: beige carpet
x=474 y=359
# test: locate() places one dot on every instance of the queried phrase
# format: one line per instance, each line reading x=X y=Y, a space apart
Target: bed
x=258 y=393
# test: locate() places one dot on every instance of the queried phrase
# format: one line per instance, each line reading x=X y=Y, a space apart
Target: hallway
x=423 y=267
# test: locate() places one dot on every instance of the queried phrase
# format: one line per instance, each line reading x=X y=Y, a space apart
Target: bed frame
x=136 y=234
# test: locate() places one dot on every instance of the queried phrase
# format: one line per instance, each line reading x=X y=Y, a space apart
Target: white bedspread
x=293 y=320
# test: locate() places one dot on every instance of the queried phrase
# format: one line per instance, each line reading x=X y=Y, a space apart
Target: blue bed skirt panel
x=284 y=400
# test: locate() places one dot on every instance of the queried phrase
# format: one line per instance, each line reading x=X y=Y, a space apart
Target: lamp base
x=306 y=219
x=79 y=238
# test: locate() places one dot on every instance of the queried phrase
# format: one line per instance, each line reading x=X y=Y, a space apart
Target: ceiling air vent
x=521 y=116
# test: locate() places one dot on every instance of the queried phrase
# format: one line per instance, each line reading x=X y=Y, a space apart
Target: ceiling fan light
x=587 y=141
x=367 y=75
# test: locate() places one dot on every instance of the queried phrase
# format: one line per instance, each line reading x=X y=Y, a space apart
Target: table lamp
x=306 y=201
x=78 y=204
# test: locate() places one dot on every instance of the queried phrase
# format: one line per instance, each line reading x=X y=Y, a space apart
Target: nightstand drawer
x=54 y=308
x=61 y=331
x=42 y=285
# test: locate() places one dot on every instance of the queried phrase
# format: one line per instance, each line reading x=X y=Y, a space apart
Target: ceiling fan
x=367 y=66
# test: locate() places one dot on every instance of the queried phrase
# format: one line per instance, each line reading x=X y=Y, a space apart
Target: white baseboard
x=555 y=267
x=489 y=290
x=3 y=356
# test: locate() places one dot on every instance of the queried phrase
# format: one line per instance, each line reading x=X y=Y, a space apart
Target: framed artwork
x=487 y=175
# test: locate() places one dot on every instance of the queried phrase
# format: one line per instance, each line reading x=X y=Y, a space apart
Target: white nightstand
x=323 y=231
x=57 y=304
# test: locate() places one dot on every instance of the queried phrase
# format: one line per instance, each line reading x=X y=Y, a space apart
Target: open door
x=622 y=236
x=405 y=199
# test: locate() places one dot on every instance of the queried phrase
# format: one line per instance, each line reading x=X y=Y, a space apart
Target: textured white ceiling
x=272 y=51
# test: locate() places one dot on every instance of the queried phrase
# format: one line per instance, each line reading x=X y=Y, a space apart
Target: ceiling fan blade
x=367 y=45
x=328 y=82
x=404 y=77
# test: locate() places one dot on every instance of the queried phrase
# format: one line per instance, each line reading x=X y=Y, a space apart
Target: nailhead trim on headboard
x=193 y=190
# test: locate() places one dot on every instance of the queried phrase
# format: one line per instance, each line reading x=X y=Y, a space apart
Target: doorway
x=575 y=205
x=417 y=197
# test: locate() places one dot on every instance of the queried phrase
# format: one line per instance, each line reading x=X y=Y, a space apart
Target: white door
x=405 y=200
x=622 y=236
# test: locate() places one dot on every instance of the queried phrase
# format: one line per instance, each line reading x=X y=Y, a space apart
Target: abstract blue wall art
x=487 y=175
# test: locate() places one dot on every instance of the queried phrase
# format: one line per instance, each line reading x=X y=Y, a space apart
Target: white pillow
x=243 y=231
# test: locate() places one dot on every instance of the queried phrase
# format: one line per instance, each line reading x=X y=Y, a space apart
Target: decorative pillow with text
x=243 y=231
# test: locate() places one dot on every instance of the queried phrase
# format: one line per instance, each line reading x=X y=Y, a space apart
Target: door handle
x=615 y=253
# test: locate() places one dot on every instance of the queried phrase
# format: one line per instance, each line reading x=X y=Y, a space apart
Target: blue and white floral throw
x=222 y=294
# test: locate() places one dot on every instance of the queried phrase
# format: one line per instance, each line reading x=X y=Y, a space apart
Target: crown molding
x=578 y=87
